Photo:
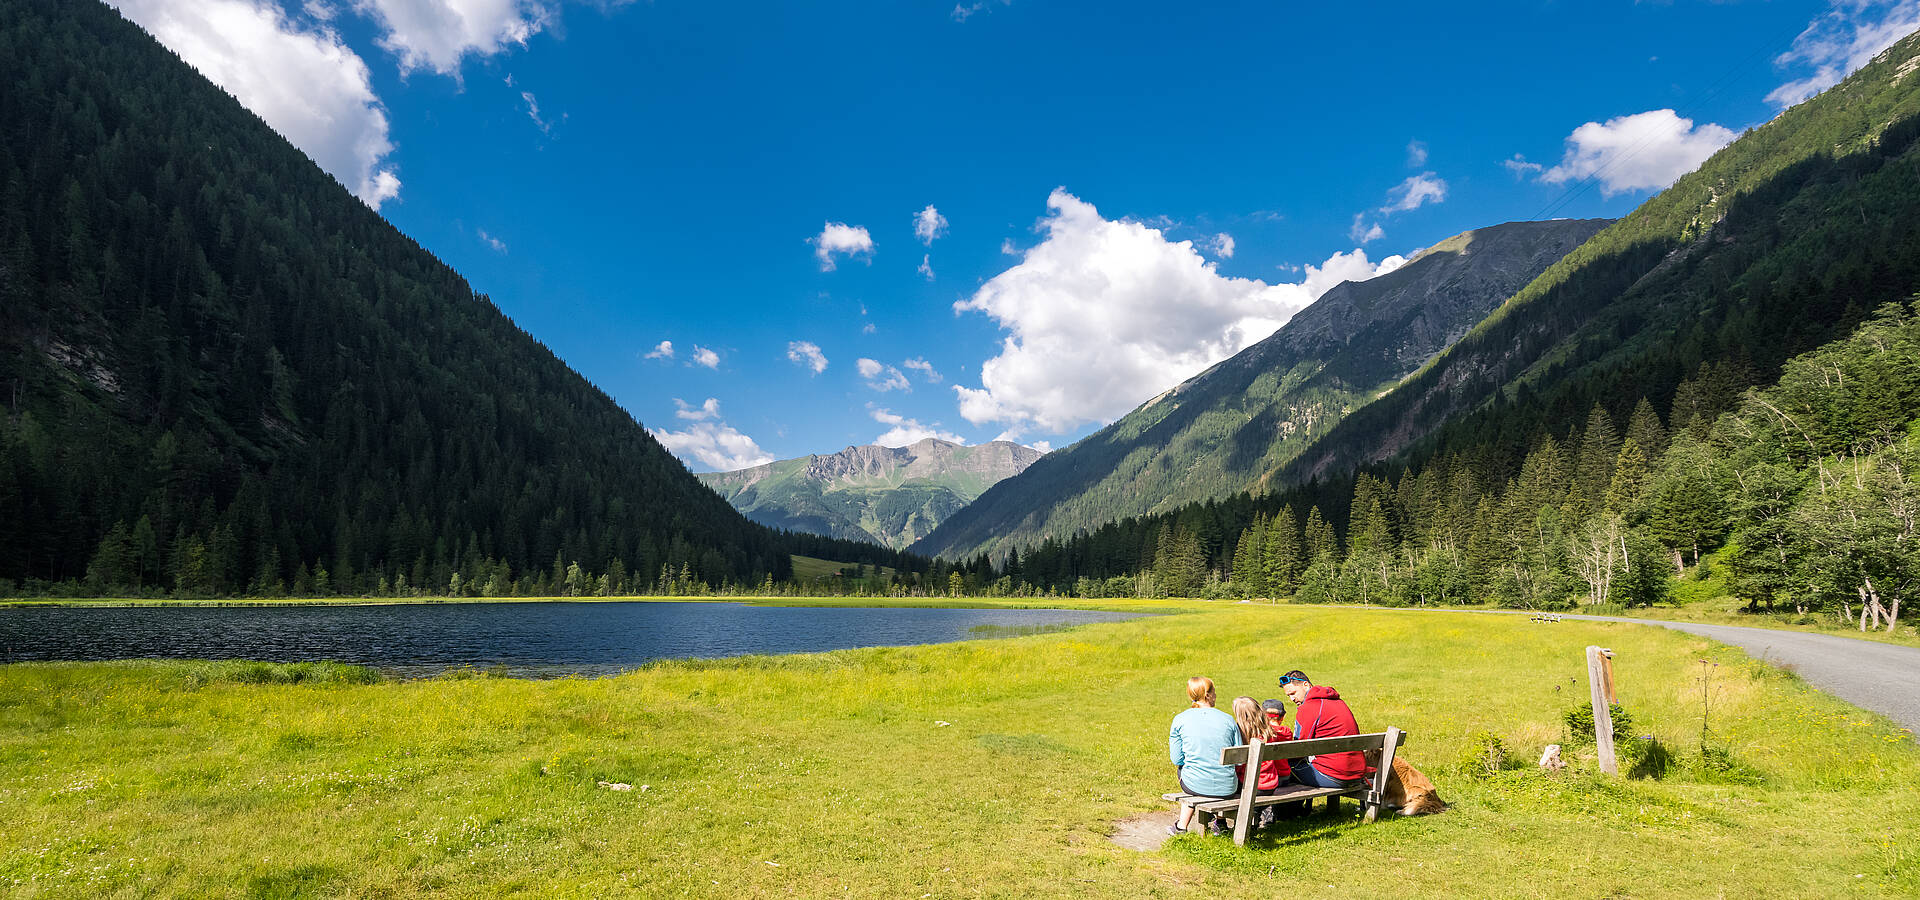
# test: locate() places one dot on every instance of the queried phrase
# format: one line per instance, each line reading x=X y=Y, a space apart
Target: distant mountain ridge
x=888 y=495
x=1223 y=430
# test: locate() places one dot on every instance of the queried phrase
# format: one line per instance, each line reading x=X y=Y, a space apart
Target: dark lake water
x=527 y=638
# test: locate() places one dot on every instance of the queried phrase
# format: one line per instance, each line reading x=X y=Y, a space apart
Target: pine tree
x=1644 y=428
x=1281 y=560
x=1630 y=473
x=1321 y=544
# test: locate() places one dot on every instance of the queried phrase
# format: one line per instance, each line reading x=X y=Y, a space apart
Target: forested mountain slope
x=1503 y=454
x=1216 y=434
x=222 y=372
x=886 y=495
x=1780 y=241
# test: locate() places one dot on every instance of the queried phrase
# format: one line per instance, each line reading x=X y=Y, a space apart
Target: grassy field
x=807 y=568
x=829 y=775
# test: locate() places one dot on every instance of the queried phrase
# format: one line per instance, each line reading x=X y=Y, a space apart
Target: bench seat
x=1292 y=793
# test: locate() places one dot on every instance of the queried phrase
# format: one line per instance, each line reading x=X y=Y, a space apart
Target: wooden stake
x=1600 y=685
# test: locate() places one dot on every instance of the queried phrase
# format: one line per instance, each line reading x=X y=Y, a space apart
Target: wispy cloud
x=924 y=368
x=907 y=431
x=1363 y=231
x=662 y=350
x=1415 y=192
x=1841 y=40
x=703 y=357
x=807 y=355
x=498 y=245
x=533 y=112
x=965 y=11
x=882 y=377
x=701 y=413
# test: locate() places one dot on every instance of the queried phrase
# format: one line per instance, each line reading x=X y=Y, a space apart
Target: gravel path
x=1884 y=678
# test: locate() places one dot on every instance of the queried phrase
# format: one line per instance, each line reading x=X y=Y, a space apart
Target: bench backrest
x=1237 y=756
x=1252 y=755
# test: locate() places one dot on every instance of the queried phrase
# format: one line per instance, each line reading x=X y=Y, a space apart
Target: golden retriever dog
x=1411 y=792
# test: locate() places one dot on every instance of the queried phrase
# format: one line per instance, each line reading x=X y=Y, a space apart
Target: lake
x=533 y=639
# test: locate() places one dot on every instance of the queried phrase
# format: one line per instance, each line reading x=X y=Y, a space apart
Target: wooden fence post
x=1600 y=685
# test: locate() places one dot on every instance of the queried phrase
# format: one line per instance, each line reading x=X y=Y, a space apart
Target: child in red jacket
x=1276 y=711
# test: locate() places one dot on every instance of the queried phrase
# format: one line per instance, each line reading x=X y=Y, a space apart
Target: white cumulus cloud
x=711 y=441
x=807 y=355
x=908 y=431
x=1648 y=150
x=662 y=350
x=1841 y=40
x=1223 y=245
x=1102 y=315
x=1363 y=231
x=929 y=225
x=437 y=34
x=882 y=377
x=841 y=239
x=704 y=357
x=306 y=84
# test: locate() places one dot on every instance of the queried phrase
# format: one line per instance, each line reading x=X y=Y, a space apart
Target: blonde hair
x=1200 y=690
x=1254 y=725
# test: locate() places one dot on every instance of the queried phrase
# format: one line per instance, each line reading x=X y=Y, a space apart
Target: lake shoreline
x=537 y=639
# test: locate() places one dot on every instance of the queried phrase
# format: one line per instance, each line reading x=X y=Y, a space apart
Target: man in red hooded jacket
x=1322 y=714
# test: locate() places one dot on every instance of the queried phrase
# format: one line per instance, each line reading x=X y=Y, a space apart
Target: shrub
x=1580 y=723
x=1485 y=754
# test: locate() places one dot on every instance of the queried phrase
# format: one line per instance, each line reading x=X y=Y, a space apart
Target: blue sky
x=1121 y=193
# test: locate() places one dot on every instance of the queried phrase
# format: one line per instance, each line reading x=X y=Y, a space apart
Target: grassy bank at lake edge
x=134 y=779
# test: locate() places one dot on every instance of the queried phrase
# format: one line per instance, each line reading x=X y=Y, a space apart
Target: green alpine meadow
x=581 y=449
x=833 y=774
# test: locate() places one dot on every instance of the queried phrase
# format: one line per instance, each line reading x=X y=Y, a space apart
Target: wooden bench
x=1240 y=810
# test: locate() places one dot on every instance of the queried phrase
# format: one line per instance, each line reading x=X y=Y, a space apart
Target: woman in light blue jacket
x=1194 y=743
